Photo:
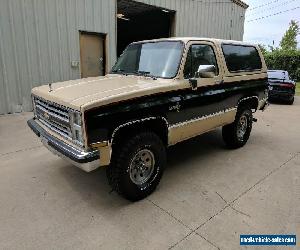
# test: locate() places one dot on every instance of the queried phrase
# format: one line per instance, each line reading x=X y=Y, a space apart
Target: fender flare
x=117 y=129
x=249 y=98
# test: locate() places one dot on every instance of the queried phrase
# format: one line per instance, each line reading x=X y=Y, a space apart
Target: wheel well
x=158 y=126
x=251 y=102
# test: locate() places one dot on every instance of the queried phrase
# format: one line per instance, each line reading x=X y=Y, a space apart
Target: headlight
x=75 y=121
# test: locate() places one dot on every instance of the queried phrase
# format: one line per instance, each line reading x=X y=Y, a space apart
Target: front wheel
x=236 y=134
x=137 y=166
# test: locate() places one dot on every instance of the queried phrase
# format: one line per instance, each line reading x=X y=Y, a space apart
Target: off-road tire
x=118 y=172
x=230 y=132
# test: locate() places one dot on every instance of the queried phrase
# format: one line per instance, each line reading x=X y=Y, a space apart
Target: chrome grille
x=53 y=116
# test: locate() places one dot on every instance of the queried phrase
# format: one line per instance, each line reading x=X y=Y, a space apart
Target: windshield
x=278 y=74
x=157 y=59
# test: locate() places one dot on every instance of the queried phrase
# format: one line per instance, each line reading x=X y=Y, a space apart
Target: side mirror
x=206 y=71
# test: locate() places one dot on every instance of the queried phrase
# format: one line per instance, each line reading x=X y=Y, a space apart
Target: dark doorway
x=138 y=21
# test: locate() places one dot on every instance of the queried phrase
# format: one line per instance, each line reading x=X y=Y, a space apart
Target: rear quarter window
x=241 y=58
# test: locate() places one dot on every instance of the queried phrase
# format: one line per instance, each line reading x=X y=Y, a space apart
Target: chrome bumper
x=85 y=160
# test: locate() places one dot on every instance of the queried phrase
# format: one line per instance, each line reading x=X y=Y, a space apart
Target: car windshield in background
x=278 y=74
x=156 y=59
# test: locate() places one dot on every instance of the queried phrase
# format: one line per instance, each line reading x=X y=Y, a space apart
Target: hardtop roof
x=188 y=39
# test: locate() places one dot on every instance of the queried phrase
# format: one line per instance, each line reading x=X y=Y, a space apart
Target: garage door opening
x=138 y=21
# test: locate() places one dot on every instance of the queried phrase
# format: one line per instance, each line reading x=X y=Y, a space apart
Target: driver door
x=202 y=53
x=202 y=105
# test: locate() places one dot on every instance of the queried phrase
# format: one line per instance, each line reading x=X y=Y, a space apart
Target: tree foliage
x=287 y=56
x=289 y=40
x=285 y=60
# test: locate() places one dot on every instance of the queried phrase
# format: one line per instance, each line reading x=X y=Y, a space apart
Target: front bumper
x=86 y=160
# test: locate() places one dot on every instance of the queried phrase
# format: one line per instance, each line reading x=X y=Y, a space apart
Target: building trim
x=240 y=3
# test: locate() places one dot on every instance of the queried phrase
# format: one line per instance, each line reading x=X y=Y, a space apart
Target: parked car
x=281 y=87
x=159 y=93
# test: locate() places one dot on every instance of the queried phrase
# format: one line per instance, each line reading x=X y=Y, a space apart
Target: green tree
x=263 y=49
x=289 y=40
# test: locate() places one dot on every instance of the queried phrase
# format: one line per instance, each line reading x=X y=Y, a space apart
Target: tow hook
x=254 y=119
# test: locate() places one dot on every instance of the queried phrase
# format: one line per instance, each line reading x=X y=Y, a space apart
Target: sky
x=269 y=29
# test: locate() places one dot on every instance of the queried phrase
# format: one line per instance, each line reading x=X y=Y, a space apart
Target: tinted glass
x=199 y=55
x=241 y=58
x=159 y=59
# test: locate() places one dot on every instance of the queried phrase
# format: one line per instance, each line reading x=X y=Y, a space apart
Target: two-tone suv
x=159 y=93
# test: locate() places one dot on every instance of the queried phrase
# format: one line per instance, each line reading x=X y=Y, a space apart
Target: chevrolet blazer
x=159 y=93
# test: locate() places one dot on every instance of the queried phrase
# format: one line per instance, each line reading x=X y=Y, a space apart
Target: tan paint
x=88 y=93
x=105 y=155
x=93 y=92
x=205 y=81
x=105 y=150
x=192 y=128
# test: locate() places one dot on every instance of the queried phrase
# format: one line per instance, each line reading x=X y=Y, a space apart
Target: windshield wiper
x=144 y=73
x=122 y=71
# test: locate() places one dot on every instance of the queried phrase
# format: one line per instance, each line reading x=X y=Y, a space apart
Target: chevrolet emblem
x=46 y=116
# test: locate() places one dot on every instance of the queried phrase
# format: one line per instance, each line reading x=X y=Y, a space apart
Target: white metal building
x=44 y=41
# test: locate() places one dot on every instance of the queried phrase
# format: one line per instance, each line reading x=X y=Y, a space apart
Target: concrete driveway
x=208 y=195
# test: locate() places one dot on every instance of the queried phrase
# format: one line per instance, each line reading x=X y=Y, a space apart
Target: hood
x=88 y=93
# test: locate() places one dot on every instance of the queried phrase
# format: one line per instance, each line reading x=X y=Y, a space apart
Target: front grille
x=53 y=116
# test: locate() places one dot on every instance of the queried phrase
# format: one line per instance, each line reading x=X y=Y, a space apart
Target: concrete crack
x=208 y=241
x=171 y=247
x=230 y=205
x=240 y=212
x=221 y=197
x=265 y=177
x=170 y=214
x=21 y=150
x=257 y=183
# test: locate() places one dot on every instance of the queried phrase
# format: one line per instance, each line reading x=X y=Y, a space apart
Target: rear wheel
x=137 y=166
x=291 y=101
x=236 y=134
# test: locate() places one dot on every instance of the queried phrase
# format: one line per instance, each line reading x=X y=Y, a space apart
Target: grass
x=298 y=89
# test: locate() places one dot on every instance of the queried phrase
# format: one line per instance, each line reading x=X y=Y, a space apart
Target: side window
x=241 y=58
x=199 y=55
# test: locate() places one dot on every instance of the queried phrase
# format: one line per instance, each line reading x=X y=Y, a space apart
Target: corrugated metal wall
x=40 y=38
x=207 y=18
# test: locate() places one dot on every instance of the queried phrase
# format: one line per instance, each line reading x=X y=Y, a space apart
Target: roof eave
x=241 y=3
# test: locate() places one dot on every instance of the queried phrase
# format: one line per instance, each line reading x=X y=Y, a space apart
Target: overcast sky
x=266 y=30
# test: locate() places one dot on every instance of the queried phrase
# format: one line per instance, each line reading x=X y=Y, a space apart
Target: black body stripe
x=192 y=104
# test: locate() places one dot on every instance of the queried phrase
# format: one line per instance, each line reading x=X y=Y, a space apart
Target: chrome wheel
x=242 y=127
x=141 y=167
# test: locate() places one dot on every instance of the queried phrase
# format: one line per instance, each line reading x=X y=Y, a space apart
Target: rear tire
x=236 y=134
x=137 y=166
x=291 y=101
